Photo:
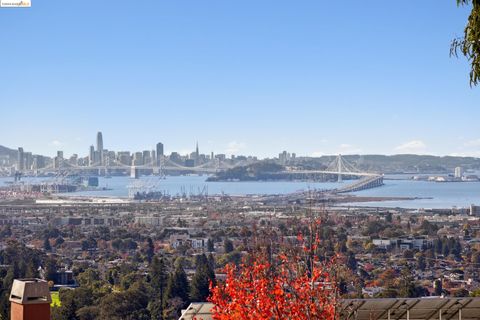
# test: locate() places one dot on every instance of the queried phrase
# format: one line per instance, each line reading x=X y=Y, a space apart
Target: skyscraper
x=91 y=156
x=146 y=157
x=137 y=159
x=28 y=160
x=459 y=172
x=159 y=153
x=100 y=147
x=197 y=155
x=153 y=157
x=21 y=159
x=58 y=160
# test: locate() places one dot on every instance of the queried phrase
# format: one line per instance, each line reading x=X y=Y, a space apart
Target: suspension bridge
x=165 y=166
x=341 y=167
x=66 y=175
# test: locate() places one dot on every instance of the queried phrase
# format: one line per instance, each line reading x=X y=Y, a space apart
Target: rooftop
x=198 y=310
x=381 y=309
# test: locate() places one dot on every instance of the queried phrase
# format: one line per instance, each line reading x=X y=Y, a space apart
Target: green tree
x=177 y=288
x=72 y=301
x=430 y=257
x=373 y=228
x=204 y=274
x=31 y=269
x=88 y=313
x=456 y=247
x=438 y=246
x=388 y=217
x=125 y=305
x=475 y=293
x=155 y=307
x=438 y=286
x=149 y=250
x=210 y=245
x=445 y=247
x=211 y=261
x=89 y=243
x=351 y=261
x=46 y=244
x=65 y=312
x=50 y=269
x=408 y=288
x=8 y=280
x=5 y=293
x=428 y=228
x=88 y=277
x=421 y=262
x=158 y=282
x=469 y=44
x=228 y=245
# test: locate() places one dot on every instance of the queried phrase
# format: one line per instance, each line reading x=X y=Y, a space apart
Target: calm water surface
x=443 y=195
x=175 y=185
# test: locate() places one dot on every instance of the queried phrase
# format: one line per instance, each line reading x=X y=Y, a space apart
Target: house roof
x=416 y=308
x=198 y=310
x=381 y=309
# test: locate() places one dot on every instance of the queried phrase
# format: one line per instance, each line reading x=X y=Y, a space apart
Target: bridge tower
x=339 y=164
x=134 y=173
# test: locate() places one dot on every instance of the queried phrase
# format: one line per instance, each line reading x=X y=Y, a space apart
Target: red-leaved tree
x=292 y=284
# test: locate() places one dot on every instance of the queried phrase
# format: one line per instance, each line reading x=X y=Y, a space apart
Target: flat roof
x=410 y=308
x=198 y=310
x=425 y=308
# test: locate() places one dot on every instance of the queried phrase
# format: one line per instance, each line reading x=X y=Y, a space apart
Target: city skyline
x=410 y=147
x=286 y=80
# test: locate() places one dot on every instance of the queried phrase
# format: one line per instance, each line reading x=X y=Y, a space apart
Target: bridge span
x=341 y=167
x=342 y=173
x=368 y=182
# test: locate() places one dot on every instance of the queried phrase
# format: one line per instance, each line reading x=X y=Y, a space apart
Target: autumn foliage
x=286 y=285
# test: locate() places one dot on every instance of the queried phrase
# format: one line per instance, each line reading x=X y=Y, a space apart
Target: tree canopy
x=469 y=44
x=280 y=283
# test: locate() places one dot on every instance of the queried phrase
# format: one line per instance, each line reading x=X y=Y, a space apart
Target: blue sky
x=244 y=77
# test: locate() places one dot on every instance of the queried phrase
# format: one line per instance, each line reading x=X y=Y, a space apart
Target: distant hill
x=403 y=163
x=4 y=151
x=399 y=163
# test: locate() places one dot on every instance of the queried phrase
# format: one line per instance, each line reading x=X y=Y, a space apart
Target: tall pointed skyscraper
x=100 y=147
